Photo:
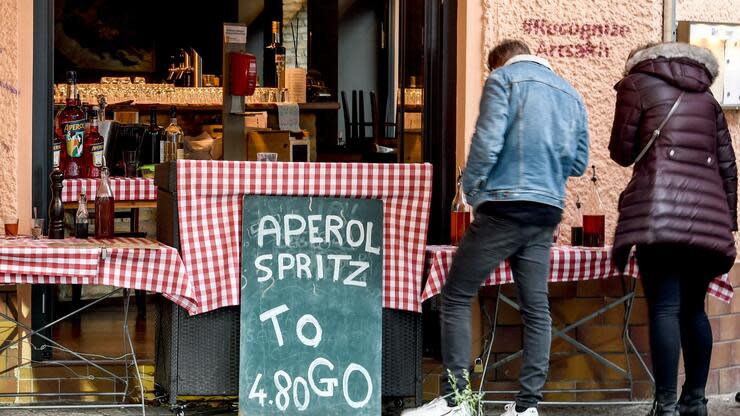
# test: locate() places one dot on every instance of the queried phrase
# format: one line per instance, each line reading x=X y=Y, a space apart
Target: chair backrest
x=347 y=120
x=375 y=117
x=355 y=124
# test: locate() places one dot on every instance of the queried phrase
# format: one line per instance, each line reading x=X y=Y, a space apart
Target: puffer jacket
x=684 y=190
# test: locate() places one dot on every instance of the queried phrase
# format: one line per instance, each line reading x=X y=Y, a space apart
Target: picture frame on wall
x=102 y=37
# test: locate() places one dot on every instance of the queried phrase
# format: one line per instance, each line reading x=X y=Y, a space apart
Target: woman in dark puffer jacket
x=679 y=208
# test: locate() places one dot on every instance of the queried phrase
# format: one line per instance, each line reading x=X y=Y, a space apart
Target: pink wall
x=16 y=77
x=9 y=105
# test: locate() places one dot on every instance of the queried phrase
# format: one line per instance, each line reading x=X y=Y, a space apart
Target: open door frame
x=42 y=122
x=440 y=109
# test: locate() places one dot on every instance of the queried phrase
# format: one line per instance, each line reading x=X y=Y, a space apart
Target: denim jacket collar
x=529 y=58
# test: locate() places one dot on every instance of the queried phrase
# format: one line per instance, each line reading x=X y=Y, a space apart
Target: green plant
x=466 y=397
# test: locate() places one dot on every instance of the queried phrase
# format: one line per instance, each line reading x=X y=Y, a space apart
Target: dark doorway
x=440 y=55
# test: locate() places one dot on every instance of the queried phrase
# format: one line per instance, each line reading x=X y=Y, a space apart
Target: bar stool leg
x=140 y=303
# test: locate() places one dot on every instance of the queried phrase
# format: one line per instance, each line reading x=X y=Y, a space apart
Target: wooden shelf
x=303 y=106
x=143 y=108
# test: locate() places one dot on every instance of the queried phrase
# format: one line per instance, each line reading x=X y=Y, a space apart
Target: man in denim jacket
x=531 y=136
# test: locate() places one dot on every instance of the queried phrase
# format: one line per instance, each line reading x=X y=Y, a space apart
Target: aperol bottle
x=70 y=130
x=94 y=146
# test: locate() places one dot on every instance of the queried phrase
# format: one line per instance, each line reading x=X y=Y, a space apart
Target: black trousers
x=675 y=287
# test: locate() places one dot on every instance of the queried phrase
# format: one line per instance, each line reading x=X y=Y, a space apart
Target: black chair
x=356 y=125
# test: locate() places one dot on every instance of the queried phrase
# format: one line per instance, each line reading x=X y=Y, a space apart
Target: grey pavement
x=724 y=405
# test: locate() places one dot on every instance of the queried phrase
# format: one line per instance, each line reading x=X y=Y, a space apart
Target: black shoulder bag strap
x=656 y=132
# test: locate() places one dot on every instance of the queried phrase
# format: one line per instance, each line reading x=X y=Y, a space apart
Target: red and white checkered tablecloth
x=209 y=205
x=567 y=264
x=124 y=189
x=97 y=262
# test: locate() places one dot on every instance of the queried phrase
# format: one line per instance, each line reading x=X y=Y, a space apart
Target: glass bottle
x=175 y=146
x=104 y=206
x=56 y=206
x=56 y=151
x=70 y=129
x=576 y=230
x=82 y=218
x=152 y=146
x=94 y=146
x=593 y=216
x=277 y=50
x=459 y=214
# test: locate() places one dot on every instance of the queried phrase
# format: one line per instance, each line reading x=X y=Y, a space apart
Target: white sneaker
x=510 y=410
x=437 y=407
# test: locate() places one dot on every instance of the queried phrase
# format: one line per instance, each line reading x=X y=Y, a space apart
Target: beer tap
x=172 y=71
x=190 y=67
x=184 y=65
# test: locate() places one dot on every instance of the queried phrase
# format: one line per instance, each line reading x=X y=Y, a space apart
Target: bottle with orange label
x=94 y=146
x=69 y=126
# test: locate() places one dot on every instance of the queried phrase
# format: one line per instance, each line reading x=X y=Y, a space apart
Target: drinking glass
x=11 y=225
x=267 y=157
x=37 y=228
x=131 y=159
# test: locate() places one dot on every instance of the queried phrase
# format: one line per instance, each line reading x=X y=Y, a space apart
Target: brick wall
x=724 y=373
x=571 y=369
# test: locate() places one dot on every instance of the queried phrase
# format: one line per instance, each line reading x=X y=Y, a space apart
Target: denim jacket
x=531 y=135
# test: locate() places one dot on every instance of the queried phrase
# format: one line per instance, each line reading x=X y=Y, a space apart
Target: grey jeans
x=488 y=242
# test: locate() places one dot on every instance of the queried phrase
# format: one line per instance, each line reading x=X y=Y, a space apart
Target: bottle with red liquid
x=94 y=146
x=460 y=213
x=69 y=126
x=576 y=230
x=81 y=217
x=104 y=206
x=593 y=216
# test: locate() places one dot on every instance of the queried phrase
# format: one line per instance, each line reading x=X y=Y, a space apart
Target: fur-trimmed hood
x=686 y=66
x=670 y=50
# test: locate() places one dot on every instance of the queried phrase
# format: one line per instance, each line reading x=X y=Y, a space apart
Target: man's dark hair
x=505 y=51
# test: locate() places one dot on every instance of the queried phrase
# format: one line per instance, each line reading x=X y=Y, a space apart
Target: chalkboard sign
x=311 y=287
